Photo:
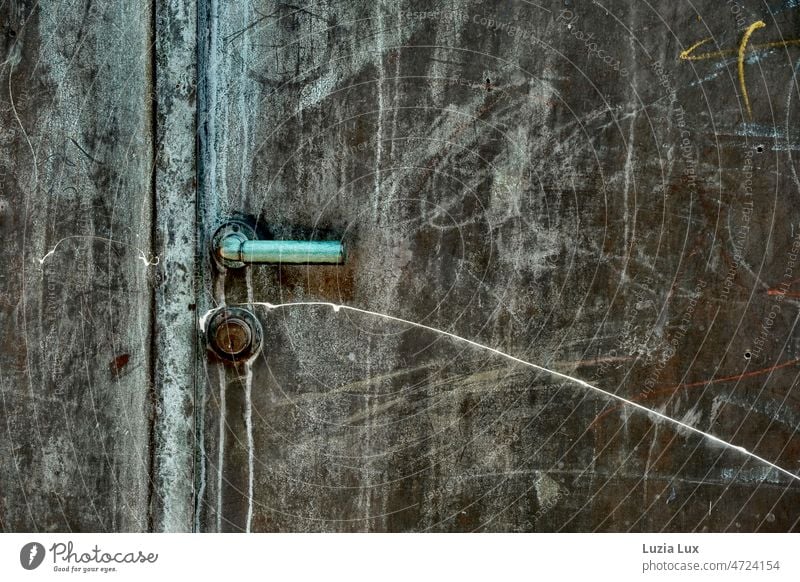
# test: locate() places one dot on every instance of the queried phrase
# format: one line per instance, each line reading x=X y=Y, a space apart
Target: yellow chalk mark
x=742 y=48
x=687 y=54
x=739 y=52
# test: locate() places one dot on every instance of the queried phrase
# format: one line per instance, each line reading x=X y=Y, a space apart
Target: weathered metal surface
x=548 y=179
x=551 y=180
x=282 y=251
x=75 y=283
x=175 y=336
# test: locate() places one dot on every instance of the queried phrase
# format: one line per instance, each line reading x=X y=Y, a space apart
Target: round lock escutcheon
x=234 y=334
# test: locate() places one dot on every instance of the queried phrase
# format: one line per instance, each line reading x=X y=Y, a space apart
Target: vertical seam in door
x=199 y=408
x=152 y=391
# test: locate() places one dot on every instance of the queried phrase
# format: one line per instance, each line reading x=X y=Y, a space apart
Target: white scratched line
x=336 y=308
x=148 y=262
x=248 y=421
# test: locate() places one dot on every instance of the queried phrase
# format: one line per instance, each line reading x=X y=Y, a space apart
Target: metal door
x=99 y=342
x=76 y=284
x=554 y=183
x=568 y=301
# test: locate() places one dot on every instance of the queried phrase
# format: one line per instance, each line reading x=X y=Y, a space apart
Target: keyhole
x=233 y=337
x=234 y=334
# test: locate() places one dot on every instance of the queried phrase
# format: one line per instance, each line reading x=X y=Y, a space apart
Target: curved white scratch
x=336 y=308
x=148 y=261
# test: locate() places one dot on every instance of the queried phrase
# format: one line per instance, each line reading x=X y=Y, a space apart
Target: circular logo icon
x=31 y=555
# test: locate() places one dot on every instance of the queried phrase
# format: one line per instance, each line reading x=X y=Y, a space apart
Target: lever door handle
x=234 y=246
x=281 y=251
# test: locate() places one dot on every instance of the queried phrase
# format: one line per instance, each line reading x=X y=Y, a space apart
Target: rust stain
x=118 y=363
x=674 y=389
x=778 y=292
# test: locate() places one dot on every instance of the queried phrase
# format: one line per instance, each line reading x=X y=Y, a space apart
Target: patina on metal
x=234 y=334
x=235 y=246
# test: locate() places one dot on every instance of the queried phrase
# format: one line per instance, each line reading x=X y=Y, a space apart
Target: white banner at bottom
x=371 y=557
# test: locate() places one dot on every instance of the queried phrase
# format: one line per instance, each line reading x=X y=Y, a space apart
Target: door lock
x=236 y=245
x=234 y=334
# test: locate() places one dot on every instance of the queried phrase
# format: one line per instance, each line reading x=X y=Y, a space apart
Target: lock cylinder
x=234 y=334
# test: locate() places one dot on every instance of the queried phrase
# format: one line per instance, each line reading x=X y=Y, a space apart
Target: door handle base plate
x=231 y=229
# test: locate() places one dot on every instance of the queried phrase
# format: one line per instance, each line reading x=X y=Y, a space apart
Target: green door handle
x=281 y=251
x=235 y=246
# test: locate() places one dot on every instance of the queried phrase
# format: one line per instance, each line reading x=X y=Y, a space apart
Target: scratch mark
x=221 y=444
x=379 y=122
x=85 y=153
x=248 y=421
x=338 y=307
x=22 y=128
x=148 y=261
x=785 y=292
x=262 y=17
x=302 y=10
x=673 y=389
